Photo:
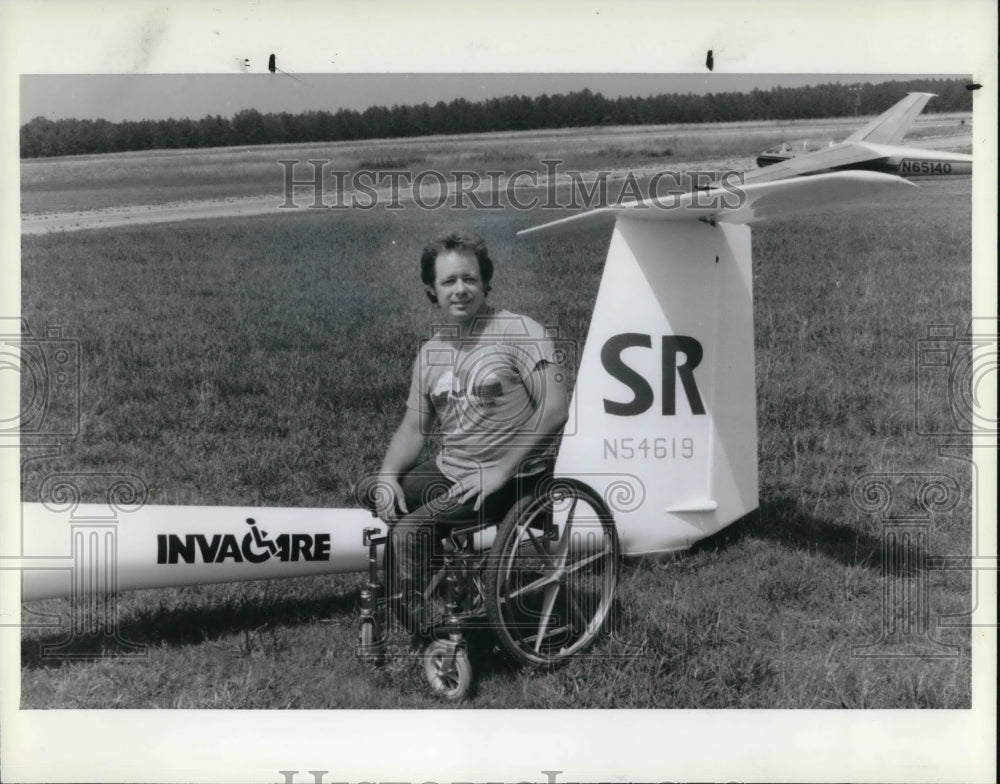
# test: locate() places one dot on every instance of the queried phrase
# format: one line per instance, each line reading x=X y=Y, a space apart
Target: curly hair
x=461 y=242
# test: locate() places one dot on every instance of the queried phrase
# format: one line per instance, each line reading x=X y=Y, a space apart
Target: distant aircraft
x=874 y=148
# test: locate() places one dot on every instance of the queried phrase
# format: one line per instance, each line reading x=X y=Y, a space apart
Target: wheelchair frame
x=557 y=542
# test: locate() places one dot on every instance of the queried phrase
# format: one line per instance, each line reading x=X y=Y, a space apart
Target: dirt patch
x=139 y=215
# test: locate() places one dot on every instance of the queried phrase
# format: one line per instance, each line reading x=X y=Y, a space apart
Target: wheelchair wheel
x=447 y=668
x=552 y=573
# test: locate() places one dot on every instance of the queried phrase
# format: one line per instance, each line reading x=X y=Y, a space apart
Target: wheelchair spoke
x=578 y=565
x=539 y=547
x=555 y=575
x=562 y=552
x=534 y=638
x=577 y=610
x=547 y=604
x=547 y=579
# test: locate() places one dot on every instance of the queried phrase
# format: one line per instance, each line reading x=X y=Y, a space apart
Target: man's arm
x=403 y=453
x=546 y=385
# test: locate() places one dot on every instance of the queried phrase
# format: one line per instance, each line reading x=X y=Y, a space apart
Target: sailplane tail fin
x=891 y=126
x=665 y=397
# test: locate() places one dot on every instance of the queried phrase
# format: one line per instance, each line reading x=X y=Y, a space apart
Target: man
x=490 y=379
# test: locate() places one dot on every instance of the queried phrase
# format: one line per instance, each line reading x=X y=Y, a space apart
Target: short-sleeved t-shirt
x=477 y=386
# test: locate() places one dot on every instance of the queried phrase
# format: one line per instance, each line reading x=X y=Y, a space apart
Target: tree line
x=42 y=137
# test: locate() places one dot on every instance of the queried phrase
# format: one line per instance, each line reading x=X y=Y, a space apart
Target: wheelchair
x=544 y=587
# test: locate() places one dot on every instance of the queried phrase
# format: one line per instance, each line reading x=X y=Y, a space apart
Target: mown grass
x=265 y=361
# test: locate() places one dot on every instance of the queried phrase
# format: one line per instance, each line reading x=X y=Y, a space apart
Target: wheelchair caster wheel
x=370 y=651
x=447 y=668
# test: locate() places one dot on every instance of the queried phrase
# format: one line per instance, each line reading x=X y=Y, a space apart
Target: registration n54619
x=645 y=448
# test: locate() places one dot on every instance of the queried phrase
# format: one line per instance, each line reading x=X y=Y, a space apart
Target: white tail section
x=665 y=392
x=892 y=125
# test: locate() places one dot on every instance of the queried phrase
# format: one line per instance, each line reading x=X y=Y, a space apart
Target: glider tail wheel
x=552 y=573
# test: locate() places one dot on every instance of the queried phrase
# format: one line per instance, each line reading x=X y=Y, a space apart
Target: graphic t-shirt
x=478 y=387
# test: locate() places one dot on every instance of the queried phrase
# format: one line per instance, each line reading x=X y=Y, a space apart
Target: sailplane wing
x=838 y=156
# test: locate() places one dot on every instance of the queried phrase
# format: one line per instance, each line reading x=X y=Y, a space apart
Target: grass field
x=264 y=361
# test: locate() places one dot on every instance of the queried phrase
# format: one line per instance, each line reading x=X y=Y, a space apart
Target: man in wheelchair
x=489 y=379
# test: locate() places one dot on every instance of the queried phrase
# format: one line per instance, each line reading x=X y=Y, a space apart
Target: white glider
x=873 y=148
x=664 y=410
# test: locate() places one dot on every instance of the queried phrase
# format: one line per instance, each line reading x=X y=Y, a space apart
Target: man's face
x=458 y=286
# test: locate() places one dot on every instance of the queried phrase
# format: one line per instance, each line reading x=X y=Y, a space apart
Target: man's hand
x=492 y=479
x=388 y=498
x=403 y=453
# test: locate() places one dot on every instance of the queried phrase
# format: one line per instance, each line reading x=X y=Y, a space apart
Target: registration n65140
x=911 y=166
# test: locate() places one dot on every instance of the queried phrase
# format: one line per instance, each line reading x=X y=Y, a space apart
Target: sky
x=118 y=97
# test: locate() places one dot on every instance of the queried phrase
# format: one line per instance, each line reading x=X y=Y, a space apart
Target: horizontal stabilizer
x=736 y=204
